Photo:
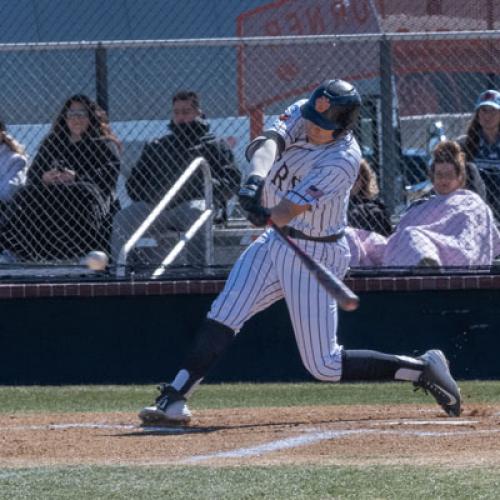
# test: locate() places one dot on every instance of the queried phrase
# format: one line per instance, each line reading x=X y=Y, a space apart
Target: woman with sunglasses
x=66 y=208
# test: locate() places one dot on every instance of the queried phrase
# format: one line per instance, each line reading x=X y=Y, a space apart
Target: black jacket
x=164 y=160
x=94 y=160
x=370 y=215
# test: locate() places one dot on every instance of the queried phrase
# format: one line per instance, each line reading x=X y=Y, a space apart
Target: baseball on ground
x=96 y=260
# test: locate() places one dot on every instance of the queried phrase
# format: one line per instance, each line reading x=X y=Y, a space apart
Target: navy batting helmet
x=334 y=105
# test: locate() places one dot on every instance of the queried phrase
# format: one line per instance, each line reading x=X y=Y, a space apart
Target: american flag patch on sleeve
x=314 y=192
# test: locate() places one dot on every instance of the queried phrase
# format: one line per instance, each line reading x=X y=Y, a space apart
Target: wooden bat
x=345 y=297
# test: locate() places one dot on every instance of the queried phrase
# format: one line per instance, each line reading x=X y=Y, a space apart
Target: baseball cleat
x=436 y=379
x=170 y=408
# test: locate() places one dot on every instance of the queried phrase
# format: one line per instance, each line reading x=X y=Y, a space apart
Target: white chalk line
x=179 y=430
x=118 y=427
x=59 y=427
x=426 y=422
x=281 y=444
x=315 y=437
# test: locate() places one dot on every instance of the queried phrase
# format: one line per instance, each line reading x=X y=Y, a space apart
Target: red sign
x=268 y=73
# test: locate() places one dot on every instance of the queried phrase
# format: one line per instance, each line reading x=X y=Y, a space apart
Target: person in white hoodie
x=13 y=166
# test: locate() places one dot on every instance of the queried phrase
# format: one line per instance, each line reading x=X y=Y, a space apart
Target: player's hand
x=259 y=216
x=250 y=193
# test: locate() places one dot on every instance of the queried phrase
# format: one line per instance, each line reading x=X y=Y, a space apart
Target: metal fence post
x=390 y=172
x=101 y=77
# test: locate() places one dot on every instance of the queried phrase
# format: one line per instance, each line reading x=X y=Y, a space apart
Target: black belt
x=299 y=235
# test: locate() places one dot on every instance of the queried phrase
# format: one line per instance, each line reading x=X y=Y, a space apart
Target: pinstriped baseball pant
x=267 y=271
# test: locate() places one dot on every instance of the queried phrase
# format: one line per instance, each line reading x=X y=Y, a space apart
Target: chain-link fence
x=73 y=196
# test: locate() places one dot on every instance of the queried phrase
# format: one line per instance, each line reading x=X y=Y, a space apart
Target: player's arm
x=261 y=153
x=281 y=214
x=285 y=211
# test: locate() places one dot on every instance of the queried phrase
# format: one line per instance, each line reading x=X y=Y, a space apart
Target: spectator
x=161 y=163
x=481 y=145
x=455 y=227
x=13 y=165
x=366 y=209
x=66 y=208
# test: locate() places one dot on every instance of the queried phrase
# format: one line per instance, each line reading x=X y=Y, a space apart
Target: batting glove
x=259 y=216
x=249 y=194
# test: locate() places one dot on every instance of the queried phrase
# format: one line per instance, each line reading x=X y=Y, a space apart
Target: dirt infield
x=357 y=435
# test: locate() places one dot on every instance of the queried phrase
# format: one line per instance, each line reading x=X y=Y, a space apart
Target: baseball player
x=302 y=171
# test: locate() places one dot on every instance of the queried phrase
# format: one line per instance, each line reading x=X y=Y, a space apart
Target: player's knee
x=325 y=374
x=326 y=378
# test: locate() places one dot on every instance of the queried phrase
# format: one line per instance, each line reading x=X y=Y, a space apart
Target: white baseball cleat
x=436 y=379
x=170 y=408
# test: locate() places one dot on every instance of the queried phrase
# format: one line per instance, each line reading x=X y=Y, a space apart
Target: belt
x=299 y=235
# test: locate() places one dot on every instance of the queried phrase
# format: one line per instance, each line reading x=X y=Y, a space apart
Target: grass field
x=243 y=481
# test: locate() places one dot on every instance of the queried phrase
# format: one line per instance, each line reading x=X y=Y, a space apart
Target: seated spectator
x=13 y=166
x=66 y=207
x=161 y=164
x=481 y=145
x=366 y=210
x=455 y=227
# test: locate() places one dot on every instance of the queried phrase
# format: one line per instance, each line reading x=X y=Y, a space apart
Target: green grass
x=130 y=398
x=304 y=482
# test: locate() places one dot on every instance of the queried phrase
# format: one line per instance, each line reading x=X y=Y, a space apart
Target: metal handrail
x=198 y=162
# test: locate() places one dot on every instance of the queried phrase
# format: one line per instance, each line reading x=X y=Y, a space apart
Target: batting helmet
x=334 y=105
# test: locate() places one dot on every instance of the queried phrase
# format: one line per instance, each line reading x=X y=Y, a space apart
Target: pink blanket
x=453 y=230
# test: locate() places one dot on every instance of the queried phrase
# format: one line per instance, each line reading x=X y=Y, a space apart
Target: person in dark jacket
x=161 y=164
x=366 y=209
x=481 y=145
x=68 y=202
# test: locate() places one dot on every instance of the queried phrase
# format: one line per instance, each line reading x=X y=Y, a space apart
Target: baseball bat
x=345 y=297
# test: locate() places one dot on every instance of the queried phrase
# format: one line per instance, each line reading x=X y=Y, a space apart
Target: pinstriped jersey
x=317 y=175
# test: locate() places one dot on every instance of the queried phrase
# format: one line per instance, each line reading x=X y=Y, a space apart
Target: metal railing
x=203 y=220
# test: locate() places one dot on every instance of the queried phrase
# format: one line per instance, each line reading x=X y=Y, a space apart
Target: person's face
x=317 y=135
x=445 y=178
x=489 y=117
x=184 y=112
x=77 y=119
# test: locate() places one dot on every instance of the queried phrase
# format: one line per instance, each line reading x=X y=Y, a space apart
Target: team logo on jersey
x=322 y=104
x=284 y=117
x=314 y=192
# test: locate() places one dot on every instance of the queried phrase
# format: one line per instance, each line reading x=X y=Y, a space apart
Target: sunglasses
x=76 y=113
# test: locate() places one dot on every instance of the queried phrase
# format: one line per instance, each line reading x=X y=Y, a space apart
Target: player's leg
x=314 y=317
x=312 y=311
x=250 y=288
x=429 y=371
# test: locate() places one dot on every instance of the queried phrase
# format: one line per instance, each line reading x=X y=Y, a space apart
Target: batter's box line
x=152 y=429
x=313 y=437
